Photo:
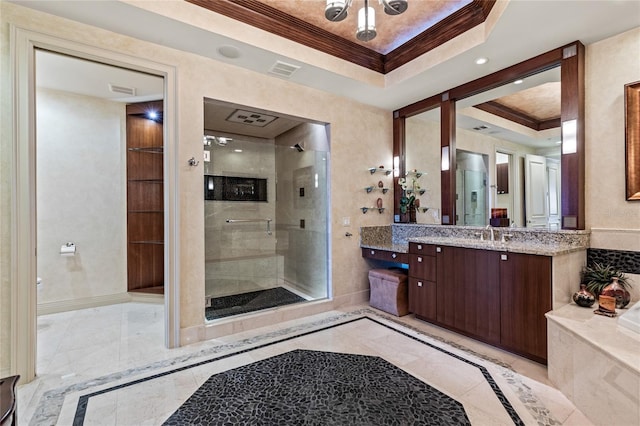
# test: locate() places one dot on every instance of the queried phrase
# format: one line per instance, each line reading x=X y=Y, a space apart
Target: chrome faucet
x=490 y=228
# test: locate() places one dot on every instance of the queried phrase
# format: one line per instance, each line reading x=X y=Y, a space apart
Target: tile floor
x=108 y=365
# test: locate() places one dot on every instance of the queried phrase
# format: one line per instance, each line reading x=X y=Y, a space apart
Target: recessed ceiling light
x=558 y=142
x=230 y=52
x=237 y=150
x=482 y=61
x=518 y=81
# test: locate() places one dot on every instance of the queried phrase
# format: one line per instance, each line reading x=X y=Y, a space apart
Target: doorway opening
x=84 y=202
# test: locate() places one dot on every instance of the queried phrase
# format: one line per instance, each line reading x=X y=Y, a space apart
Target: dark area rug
x=248 y=302
x=304 y=387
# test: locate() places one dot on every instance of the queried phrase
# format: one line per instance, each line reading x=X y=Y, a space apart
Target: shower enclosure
x=266 y=228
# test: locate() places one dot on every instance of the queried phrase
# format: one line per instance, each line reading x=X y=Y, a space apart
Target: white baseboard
x=82 y=303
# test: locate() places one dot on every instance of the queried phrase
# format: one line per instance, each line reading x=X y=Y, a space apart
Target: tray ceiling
x=424 y=26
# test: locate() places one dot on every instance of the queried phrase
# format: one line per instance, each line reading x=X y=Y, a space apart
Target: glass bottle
x=614 y=289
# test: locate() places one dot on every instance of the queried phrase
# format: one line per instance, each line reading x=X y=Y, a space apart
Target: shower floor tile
x=250 y=302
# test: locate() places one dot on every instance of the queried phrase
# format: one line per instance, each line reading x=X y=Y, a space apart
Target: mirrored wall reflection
x=515 y=127
x=422 y=154
x=472 y=170
x=266 y=203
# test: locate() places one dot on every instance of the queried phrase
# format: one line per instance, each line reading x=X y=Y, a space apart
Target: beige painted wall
x=614 y=222
x=361 y=137
x=610 y=65
x=81 y=196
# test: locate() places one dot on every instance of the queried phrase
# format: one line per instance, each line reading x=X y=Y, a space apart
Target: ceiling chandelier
x=337 y=10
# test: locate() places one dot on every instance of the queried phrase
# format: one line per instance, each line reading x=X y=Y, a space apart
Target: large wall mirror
x=511 y=132
x=511 y=146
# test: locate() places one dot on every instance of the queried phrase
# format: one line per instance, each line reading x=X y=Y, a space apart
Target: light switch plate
x=207 y=156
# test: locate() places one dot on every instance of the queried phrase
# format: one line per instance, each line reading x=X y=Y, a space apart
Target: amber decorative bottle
x=614 y=289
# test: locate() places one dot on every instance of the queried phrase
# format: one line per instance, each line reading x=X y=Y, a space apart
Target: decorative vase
x=614 y=289
x=583 y=297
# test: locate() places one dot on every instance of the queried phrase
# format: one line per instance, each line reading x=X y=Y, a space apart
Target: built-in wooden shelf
x=145 y=200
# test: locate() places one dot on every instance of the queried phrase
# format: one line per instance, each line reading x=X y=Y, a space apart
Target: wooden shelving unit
x=145 y=199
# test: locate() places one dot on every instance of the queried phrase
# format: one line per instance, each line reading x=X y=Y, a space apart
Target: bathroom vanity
x=494 y=290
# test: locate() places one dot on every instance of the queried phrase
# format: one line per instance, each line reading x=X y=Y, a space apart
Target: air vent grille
x=481 y=127
x=283 y=69
x=114 y=88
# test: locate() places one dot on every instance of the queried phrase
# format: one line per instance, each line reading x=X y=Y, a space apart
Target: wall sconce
x=570 y=137
x=396 y=166
x=445 y=159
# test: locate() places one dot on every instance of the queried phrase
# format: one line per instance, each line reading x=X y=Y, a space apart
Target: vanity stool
x=388 y=291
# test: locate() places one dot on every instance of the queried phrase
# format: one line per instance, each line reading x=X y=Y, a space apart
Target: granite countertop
x=397 y=237
x=528 y=247
x=509 y=247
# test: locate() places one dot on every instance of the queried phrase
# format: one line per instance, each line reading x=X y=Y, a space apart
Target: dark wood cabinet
x=422 y=298
x=422 y=281
x=525 y=297
x=498 y=298
x=469 y=292
x=389 y=256
x=145 y=199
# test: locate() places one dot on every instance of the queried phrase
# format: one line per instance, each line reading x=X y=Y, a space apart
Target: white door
x=535 y=191
x=553 y=180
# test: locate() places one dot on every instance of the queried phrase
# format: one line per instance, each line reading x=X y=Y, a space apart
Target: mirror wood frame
x=632 y=140
x=571 y=59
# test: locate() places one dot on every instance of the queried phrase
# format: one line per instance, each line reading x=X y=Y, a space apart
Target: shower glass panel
x=471 y=188
x=265 y=221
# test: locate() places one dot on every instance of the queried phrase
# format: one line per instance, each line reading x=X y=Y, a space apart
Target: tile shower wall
x=241 y=257
x=81 y=196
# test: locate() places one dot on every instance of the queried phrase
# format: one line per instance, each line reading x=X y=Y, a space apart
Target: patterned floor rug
x=248 y=302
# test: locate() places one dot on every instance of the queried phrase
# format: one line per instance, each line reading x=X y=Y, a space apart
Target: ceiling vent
x=481 y=127
x=282 y=69
x=114 y=88
x=250 y=118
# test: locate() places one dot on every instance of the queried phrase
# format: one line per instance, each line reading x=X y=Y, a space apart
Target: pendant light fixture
x=337 y=10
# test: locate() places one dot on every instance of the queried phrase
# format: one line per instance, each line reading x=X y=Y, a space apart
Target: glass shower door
x=240 y=245
x=265 y=225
